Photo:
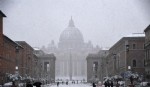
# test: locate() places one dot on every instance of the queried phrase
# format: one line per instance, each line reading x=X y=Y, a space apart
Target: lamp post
x=129 y=68
x=131 y=78
x=16 y=67
x=17 y=64
x=126 y=53
x=114 y=56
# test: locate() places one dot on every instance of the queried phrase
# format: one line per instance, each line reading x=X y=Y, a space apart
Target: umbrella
x=37 y=84
x=117 y=77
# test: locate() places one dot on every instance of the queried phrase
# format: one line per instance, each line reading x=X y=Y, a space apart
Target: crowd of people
x=106 y=84
x=28 y=84
x=67 y=82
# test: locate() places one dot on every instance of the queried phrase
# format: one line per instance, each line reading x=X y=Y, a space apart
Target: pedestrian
x=29 y=84
x=57 y=84
x=117 y=85
x=105 y=83
x=62 y=82
x=131 y=79
x=94 y=84
x=111 y=84
x=66 y=82
x=13 y=84
x=108 y=84
x=37 y=84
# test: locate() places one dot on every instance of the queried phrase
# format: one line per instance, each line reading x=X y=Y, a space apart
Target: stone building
x=71 y=53
x=46 y=65
x=147 y=52
x=16 y=57
x=127 y=54
x=95 y=66
x=10 y=54
x=28 y=64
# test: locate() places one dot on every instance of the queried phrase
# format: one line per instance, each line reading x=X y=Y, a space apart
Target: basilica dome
x=71 y=35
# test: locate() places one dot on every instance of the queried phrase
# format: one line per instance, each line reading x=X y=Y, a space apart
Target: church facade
x=71 y=52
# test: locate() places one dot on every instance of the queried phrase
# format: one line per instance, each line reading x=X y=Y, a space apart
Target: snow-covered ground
x=73 y=77
x=69 y=85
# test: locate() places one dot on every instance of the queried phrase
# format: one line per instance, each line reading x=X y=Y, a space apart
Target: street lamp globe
x=16 y=67
x=129 y=67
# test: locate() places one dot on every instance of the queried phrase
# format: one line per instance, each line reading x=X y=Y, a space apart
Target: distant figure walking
x=117 y=85
x=108 y=84
x=62 y=82
x=67 y=83
x=111 y=84
x=131 y=80
x=94 y=84
x=57 y=84
x=105 y=83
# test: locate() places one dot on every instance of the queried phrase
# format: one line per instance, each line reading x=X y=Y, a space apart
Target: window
x=46 y=66
x=143 y=46
x=144 y=63
x=134 y=63
x=134 y=46
x=95 y=66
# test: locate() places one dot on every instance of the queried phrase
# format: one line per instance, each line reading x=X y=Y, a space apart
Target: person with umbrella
x=37 y=84
x=29 y=84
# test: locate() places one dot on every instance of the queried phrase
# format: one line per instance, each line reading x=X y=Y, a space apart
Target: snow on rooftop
x=105 y=48
x=35 y=48
x=136 y=35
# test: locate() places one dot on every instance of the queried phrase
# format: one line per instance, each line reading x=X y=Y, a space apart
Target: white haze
x=103 y=22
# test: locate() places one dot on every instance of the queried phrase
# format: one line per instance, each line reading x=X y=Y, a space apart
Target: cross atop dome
x=71 y=23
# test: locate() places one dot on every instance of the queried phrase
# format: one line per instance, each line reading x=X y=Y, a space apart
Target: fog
x=103 y=22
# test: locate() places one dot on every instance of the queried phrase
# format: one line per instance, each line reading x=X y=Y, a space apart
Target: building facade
x=46 y=65
x=147 y=52
x=18 y=59
x=10 y=54
x=127 y=55
x=28 y=59
x=95 y=66
x=71 y=53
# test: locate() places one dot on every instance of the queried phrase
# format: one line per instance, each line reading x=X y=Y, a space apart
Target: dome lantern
x=71 y=23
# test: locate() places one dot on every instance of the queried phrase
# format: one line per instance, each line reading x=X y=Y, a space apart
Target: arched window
x=134 y=63
x=134 y=46
x=95 y=66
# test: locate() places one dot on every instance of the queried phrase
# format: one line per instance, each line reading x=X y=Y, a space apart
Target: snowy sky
x=103 y=22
